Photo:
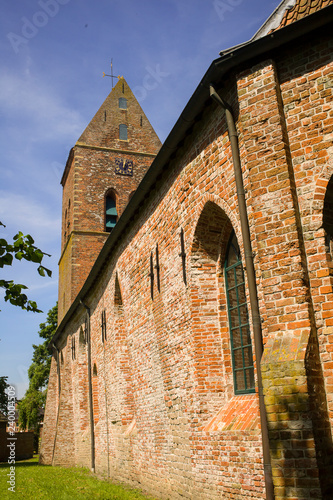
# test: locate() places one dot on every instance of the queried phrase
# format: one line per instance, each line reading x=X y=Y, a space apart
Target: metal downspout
x=257 y=333
x=90 y=394
x=106 y=414
x=59 y=392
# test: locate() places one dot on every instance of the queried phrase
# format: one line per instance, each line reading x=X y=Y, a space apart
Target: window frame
x=248 y=388
x=122 y=131
x=122 y=103
x=110 y=195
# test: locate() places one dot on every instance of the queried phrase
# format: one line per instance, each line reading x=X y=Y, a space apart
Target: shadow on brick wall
x=299 y=430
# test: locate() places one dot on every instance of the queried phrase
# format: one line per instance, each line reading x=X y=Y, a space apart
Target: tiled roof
x=289 y=11
x=302 y=8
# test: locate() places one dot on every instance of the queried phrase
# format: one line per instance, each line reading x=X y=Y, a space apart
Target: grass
x=43 y=482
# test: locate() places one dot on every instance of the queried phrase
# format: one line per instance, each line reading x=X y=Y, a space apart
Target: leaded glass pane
x=123 y=132
x=232 y=280
x=122 y=103
x=239 y=381
x=233 y=254
x=240 y=337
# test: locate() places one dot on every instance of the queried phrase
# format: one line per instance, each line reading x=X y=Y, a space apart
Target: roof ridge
x=274 y=20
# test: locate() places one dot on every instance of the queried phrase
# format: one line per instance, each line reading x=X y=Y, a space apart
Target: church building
x=194 y=351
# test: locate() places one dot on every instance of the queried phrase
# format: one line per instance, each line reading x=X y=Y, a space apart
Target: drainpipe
x=91 y=408
x=257 y=333
x=59 y=391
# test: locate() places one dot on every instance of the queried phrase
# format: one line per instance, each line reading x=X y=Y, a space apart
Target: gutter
x=247 y=53
x=90 y=392
x=251 y=278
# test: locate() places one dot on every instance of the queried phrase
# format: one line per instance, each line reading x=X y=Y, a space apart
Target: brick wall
x=165 y=414
x=24 y=445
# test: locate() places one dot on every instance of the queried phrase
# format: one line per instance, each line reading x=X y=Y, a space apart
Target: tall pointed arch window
x=111 y=215
x=240 y=337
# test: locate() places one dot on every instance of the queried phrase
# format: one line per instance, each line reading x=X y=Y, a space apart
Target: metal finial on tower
x=112 y=76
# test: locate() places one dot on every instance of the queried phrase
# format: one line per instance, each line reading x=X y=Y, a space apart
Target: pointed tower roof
x=120 y=108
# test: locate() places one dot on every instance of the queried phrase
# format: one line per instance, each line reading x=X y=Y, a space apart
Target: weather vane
x=112 y=76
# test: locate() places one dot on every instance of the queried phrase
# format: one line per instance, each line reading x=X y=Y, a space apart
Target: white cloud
x=21 y=212
x=45 y=111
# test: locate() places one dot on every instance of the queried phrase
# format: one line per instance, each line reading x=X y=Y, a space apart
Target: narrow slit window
x=239 y=327
x=103 y=326
x=73 y=348
x=123 y=132
x=111 y=215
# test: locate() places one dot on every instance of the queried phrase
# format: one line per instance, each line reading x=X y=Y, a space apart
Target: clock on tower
x=123 y=166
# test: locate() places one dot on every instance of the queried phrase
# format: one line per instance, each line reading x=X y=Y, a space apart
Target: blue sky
x=53 y=54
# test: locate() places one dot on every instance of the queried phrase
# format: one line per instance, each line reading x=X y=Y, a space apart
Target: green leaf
x=17 y=236
x=19 y=255
x=21 y=248
x=30 y=239
x=41 y=270
x=6 y=260
x=37 y=256
x=38 y=373
x=47 y=271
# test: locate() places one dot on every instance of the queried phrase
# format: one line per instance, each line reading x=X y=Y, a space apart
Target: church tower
x=103 y=170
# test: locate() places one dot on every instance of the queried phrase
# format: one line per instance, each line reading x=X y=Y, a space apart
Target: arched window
x=240 y=337
x=123 y=132
x=111 y=216
x=122 y=103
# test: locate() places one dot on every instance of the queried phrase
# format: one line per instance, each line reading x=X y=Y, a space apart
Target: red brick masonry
x=165 y=414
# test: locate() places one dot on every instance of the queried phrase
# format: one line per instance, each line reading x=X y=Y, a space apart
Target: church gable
x=120 y=123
